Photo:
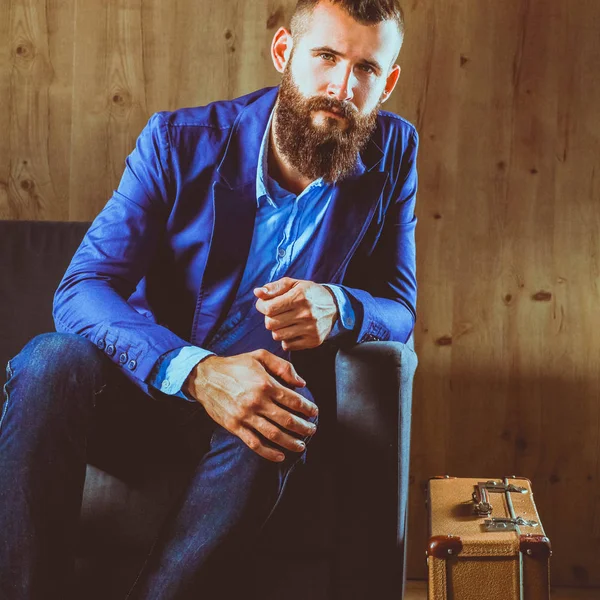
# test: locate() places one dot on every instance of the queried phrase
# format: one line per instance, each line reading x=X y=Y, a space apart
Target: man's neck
x=279 y=168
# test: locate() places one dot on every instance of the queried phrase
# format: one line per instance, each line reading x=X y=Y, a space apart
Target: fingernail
x=280 y=458
x=298 y=378
x=302 y=445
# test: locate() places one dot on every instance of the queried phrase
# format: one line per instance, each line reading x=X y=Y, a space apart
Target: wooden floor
x=417 y=590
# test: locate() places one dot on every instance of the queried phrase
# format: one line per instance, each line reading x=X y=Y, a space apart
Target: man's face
x=339 y=58
x=332 y=87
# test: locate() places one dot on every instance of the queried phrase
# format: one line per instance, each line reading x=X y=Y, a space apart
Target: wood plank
x=5 y=108
x=40 y=50
x=109 y=102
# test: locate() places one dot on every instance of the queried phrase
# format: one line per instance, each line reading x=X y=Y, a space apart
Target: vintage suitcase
x=486 y=541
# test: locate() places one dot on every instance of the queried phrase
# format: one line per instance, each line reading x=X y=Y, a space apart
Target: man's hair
x=367 y=12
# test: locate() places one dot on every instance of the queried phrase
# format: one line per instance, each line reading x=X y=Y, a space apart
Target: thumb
x=280 y=367
x=275 y=288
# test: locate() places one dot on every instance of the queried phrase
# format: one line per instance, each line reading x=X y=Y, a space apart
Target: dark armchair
x=345 y=509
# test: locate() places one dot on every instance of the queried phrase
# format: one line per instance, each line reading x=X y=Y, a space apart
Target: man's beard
x=327 y=150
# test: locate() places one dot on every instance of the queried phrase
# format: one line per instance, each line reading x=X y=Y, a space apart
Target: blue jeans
x=66 y=405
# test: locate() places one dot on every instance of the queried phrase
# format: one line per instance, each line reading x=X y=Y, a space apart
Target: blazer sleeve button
x=123 y=358
x=110 y=350
x=132 y=365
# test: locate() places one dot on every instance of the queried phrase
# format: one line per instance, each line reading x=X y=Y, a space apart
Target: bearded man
x=241 y=231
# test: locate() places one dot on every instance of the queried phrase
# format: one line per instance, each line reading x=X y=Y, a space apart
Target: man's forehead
x=330 y=26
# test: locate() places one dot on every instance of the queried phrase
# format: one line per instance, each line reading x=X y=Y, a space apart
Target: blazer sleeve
x=114 y=255
x=386 y=303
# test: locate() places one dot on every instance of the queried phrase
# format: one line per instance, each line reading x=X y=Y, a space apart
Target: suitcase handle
x=481 y=497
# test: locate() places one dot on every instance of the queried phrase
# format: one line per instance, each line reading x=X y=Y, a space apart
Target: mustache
x=344 y=109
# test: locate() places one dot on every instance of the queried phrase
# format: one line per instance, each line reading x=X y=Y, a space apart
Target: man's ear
x=281 y=48
x=390 y=84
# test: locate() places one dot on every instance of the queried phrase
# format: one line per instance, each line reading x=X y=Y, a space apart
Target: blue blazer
x=161 y=263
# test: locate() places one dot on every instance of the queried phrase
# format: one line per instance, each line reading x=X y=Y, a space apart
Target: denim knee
x=54 y=368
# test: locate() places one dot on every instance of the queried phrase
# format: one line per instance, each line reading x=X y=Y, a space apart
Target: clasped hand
x=300 y=314
x=241 y=393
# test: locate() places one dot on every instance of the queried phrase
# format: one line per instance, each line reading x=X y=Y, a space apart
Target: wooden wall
x=506 y=97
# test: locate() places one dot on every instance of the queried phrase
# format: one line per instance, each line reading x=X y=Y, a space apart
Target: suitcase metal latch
x=483 y=506
x=504 y=524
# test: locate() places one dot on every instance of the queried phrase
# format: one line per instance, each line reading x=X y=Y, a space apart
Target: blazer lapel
x=234 y=214
x=353 y=205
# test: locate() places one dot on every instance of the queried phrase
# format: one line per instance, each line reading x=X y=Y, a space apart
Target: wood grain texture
x=5 y=103
x=505 y=96
x=36 y=96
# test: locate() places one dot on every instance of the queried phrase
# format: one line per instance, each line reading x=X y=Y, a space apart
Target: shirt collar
x=263 y=166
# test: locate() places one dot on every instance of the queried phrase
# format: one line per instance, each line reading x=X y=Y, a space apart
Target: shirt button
x=281 y=252
x=101 y=344
x=132 y=365
x=123 y=358
x=110 y=350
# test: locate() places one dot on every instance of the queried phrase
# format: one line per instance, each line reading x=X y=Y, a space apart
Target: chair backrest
x=33 y=258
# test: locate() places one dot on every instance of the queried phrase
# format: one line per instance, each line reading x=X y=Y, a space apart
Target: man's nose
x=340 y=87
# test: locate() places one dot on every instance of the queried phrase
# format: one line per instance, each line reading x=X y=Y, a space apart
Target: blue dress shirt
x=284 y=230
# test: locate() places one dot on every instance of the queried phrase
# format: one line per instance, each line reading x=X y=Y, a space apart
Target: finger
x=275 y=288
x=254 y=443
x=294 y=401
x=261 y=293
x=279 y=366
x=276 y=306
x=289 y=333
x=283 y=320
x=274 y=435
x=287 y=420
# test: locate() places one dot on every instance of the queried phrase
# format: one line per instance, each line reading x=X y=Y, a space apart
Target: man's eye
x=366 y=68
x=326 y=56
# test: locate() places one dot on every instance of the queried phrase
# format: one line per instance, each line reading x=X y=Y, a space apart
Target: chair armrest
x=374 y=403
x=374 y=390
